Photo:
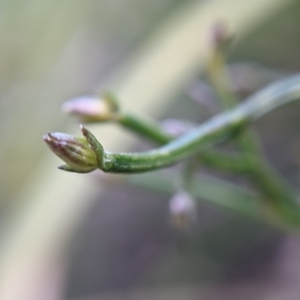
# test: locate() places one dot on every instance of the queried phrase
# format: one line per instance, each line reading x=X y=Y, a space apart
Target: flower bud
x=74 y=151
x=90 y=109
x=182 y=210
x=221 y=38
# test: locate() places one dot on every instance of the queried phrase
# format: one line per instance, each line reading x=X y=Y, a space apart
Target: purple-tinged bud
x=220 y=36
x=90 y=109
x=74 y=151
x=182 y=210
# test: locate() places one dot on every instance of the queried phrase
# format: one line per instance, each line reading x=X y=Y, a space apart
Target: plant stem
x=278 y=196
x=145 y=128
x=275 y=190
x=215 y=130
x=211 y=158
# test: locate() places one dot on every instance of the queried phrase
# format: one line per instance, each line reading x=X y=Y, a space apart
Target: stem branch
x=211 y=158
x=215 y=130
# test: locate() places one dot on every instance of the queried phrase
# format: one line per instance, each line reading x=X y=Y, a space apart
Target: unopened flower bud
x=74 y=151
x=220 y=36
x=182 y=210
x=91 y=108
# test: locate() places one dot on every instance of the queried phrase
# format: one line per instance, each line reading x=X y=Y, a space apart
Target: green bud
x=74 y=151
x=90 y=109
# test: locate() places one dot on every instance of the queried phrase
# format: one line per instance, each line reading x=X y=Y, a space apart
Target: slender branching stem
x=145 y=128
x=274 y=189
x=86 y=154
x=212 y=158
x=216 y=130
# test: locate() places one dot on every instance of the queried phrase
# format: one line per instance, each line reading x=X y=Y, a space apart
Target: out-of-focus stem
x=273 y=187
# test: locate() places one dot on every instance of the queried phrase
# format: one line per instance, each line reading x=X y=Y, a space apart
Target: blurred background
x=97 y=236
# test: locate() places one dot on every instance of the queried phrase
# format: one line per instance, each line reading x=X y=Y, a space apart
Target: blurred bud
x=74 y=151
x=90 y=109
x=176 y=127
x=182 y=210
x=220 y=36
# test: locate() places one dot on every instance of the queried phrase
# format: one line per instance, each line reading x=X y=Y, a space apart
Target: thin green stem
x=211 y=158
x=189 y=173
x=278 y=196
x=274 y=188
x=215 y=130
x=145 y=128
